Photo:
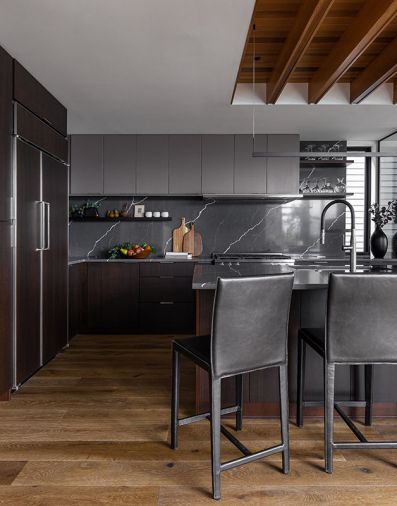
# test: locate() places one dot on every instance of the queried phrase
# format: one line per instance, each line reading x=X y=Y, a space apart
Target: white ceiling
x=160 y=66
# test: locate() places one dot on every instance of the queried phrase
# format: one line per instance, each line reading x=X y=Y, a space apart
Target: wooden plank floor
x=91 y=428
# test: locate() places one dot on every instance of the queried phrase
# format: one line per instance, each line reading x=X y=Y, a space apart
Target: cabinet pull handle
x=48 y=222
x=166 y=277
x=42 y=226
x=164 y=302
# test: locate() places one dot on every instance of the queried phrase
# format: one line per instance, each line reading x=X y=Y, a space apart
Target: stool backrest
x=250 y=323
x=362 y=318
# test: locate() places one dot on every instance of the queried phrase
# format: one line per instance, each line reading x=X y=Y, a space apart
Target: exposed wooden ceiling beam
x=380 y=70
x=308 y=20
x=368 y=24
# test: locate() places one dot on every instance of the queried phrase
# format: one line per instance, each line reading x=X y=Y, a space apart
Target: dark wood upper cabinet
x=249 y=172
x=30 y=93
x=32 y=129
x=185 y=164
x=119 y=164
x=152 y=165
x=5 y=134
x=283 y=173
x=86 y=164
x=218 y=164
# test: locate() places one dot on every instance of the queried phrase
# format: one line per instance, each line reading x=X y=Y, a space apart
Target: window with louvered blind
x=388 y=178
x=357 y=182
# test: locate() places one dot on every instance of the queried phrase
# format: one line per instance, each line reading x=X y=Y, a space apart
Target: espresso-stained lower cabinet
x=112 y=295
x=77 y=299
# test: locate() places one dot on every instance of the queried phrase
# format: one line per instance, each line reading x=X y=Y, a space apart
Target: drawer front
x=159 y=269
x=29 y=92
x=163 y=289
x=35 y=131
x=177 y=318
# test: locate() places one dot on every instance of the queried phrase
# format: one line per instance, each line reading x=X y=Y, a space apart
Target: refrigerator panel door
x=55 y=257
x=5 y=134
x=28 y=261
x=6 y=306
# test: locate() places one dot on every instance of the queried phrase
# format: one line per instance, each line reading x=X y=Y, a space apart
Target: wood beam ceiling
x=309 y=18
x=321 y=42
x=371 y=20
x=379 y=71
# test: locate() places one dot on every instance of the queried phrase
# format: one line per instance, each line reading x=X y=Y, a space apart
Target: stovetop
x=252 y=257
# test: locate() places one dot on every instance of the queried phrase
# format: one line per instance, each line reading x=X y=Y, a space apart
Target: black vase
x=394 y=245
x=379 y=243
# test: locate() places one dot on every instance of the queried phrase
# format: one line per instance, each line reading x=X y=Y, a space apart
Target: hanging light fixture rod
x=321 y=155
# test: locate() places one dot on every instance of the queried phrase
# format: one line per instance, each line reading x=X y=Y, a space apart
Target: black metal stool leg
x=215 y=385
x=239 y=402
x=175 y=398
x=284 y=411
x=301 y=381
x=329 y=390
x=369 y=378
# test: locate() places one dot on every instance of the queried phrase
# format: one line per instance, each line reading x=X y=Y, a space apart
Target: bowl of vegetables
x=130 y=250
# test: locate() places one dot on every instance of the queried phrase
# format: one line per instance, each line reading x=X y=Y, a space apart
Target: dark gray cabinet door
x=249 y=172
x=86 y=165
x=152 y=165
x=119 y=164
x=218 y=164
x=283 y=173
x=185 y=164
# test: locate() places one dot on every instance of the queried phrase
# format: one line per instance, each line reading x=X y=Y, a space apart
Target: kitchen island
x=308 y=309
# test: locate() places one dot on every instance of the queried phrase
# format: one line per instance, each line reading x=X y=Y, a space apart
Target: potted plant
x=88 y=209
x=381 y=216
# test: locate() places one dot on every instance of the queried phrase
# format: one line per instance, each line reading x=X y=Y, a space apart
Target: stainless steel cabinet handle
x=48 y=223
x=42 y=225
x=166 y=302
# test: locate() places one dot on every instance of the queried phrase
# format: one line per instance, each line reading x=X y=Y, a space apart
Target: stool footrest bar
x=206 y=416
x=252 y=457
x=356 y=431
x=369 y=445
x=243 y=449
x=353 y=404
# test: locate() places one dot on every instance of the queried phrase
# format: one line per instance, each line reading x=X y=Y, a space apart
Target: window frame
x=367 y=198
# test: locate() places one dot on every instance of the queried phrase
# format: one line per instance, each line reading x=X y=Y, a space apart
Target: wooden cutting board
x=177 y=236
x=193 y=242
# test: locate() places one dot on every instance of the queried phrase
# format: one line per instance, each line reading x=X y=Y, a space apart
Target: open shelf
x=325 y=163
x=326 y=196
x=105 y=218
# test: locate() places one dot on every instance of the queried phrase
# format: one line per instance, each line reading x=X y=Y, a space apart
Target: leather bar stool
x=249 y=333
x=361 y=329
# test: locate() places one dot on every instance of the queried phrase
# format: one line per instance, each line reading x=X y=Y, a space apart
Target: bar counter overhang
x=308 y=309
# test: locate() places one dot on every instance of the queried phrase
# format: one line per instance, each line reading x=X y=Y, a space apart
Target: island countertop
x=205 y=276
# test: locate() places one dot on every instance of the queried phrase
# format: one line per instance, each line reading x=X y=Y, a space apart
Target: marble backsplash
x=226 y=226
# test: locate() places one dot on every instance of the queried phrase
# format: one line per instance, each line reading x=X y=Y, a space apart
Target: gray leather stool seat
x=361 y=328
x=249 y=333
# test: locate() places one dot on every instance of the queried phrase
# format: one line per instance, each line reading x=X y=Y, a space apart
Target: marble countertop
x=205 y=276
x=79 y=260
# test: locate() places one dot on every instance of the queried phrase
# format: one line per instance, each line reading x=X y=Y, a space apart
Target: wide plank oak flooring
x=92 y=428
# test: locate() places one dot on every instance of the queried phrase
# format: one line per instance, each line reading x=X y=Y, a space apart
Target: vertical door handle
x=48 y=223
x=42 y=225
